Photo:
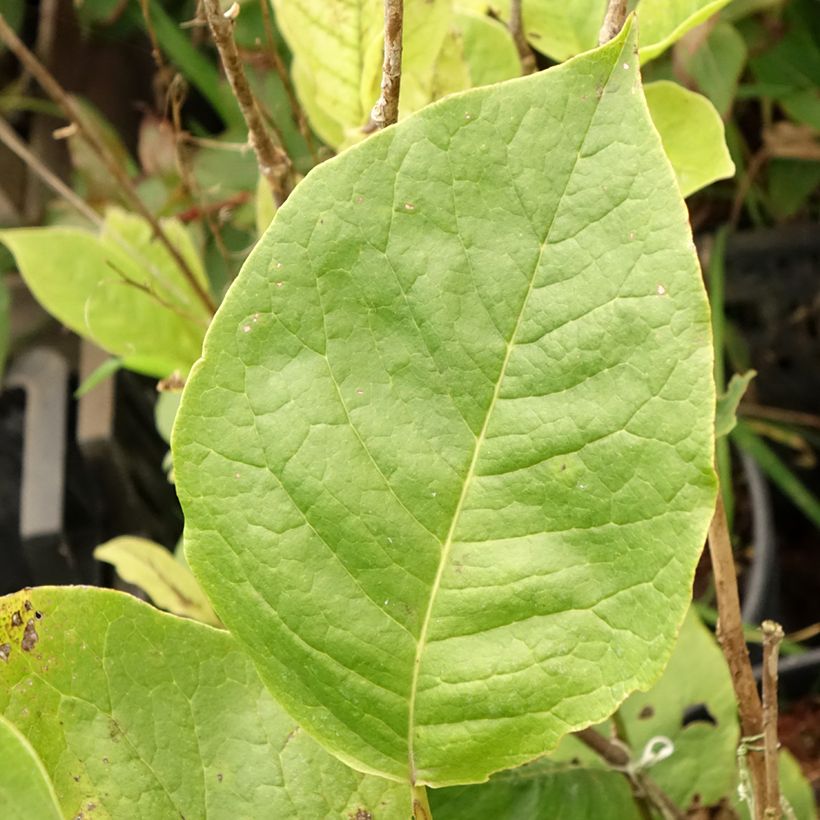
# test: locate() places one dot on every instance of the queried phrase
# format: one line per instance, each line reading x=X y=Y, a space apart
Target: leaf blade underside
x=446 y=463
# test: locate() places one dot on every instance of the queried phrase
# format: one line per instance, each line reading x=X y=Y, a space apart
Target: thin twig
x=613 y=21
x=296 y=110
x=88 y=133
x=760 y=411
x=274 y=163
x=516 y=27
x=645 y=789
x=733 y=643
x=386 y=110
x=9 y=138
x=772 y=636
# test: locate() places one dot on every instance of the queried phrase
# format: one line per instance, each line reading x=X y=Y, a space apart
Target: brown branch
x=516 y=27
x=9 y=138
x=760 y=411
x=733 y=643
x=106 y=156
x=613 y=21
x=273 y=162
x=386 y=110
x=645 y=790
x=772 y=636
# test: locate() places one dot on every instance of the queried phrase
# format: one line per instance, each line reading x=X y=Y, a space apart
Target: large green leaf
x=26 y=792
x=692 y=134
x=703 y=762
x=446 y=463
x=138 y=714
x=121 y=288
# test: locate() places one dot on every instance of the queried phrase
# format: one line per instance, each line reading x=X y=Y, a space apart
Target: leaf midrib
x=511 y=344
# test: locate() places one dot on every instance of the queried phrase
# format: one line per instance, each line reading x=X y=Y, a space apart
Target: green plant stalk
x=420 y=804
x=778 y=472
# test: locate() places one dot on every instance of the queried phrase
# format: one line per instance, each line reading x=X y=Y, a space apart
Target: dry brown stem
x=516 y=27
x=386 y=110
x=772 y=636
x=613 y=21
x=733 y=643
x=273 y=162
x=87 y=131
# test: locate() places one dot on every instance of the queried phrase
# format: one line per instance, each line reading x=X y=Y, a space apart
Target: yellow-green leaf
x=167 y=582
x=692 y=134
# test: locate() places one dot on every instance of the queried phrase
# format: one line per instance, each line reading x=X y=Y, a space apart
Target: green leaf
x=717 y=64
x=337 y=49
x=545 y=790
x=165 y=413
x=446 y=463
x=146 y=715
x=561 y=29
x=97 y=285
x=728 y=402
x=692 y=134
x=104 y=371
x=153 y=569
x=264 y=205
x=703 y=761
x=791 y=68
x=791 y=183
x=26 y=792
x=663 y=22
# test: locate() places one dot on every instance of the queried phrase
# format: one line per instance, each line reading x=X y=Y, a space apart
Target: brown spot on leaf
x=17 y=619
x=30 y=637
x=361 y=814
x=646 y=713
x=5 y=651
x=75 y=778
x=219 y=777
x=27 y=606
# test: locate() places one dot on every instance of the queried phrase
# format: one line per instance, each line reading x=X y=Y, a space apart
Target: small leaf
x=717 y=64
x=104 y=371
x=540 y=790
x=693 y=704
x=153 y=569
x=26 y=792
x=136 y=713
x=121 y=289
x=446 y=461
x=692 y=134
x=727 y=404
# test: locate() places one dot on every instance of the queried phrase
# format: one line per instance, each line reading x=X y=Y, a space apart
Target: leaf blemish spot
x=246 y=328
x=409 y=206
x=5 y=651
x=359 y=391
x=280 y=284
x=646 y=713
x=626 y=66
x=17 y=619
x=30 y=637
x=661 y=290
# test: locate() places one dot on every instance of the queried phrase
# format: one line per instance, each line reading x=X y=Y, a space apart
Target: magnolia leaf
x=25 y=789
x=560 y=792
x=727 y=404
x=337 y=47
x=665 y=21
x=478 y=51
x=446 y=463
x=693 y=705
x=692 y=134
x=153 y=569
x=716 y=65
x=136 y=713
x=561 y=29
x=120 y=289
